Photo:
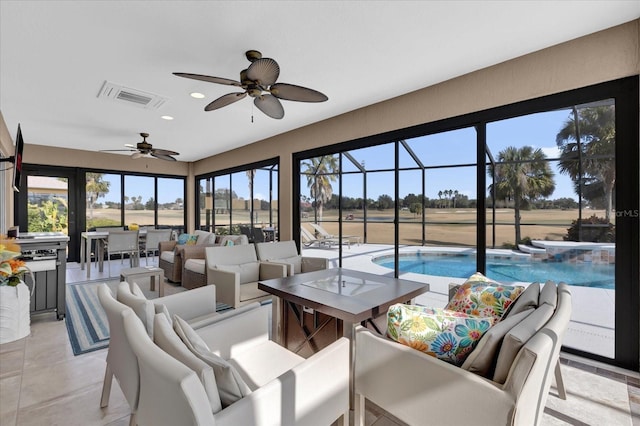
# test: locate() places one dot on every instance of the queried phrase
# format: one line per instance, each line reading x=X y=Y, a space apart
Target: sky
x=454 y=147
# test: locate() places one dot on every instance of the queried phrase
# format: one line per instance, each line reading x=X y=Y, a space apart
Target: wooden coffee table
x=351 y=297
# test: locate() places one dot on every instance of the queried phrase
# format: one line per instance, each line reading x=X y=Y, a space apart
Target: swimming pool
x=499 y=269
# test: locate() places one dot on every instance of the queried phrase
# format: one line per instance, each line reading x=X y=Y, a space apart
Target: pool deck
x=592 y=320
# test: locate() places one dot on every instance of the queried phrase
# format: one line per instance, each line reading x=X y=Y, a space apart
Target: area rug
x=86 y=321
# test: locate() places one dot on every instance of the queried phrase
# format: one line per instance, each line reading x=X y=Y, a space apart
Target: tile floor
x=43 y=383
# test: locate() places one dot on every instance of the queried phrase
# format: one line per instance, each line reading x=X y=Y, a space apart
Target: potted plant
x=14 y=294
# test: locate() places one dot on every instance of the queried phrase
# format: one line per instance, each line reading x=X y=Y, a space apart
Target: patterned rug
x=86 y=321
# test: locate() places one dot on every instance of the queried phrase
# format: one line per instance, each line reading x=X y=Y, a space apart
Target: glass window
x=171 y=203
x=104 y=200
x=139 y=200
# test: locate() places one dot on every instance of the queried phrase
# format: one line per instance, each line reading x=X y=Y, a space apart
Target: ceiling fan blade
x=264 y=71
x=164 y=152
x=117 y=150
x=209 y=78
x=270 y=105
x=225 y=100
x=162 y=156
x=128 y=145
x=291 y=92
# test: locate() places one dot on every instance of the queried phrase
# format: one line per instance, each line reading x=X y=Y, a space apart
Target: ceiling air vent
x=133 y=97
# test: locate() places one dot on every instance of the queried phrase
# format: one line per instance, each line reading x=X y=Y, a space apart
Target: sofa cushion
x=249 y=271
x=527 y=300
x=481 y=296
x=195 y=265
x=444 y=334
x=166 y=338
x=143 y=308
x=230 y=384
x=234 y=240
x=516 y=338
x=482 y=360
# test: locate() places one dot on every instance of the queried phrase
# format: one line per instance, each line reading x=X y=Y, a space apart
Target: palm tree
x=96 y=187
x=320 y=172
x=521 y=175
x=597 y=132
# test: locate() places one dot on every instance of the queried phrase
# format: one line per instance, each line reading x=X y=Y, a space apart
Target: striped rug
x=86 y=321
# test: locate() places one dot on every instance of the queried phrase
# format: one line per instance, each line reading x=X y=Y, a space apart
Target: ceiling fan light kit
x=259 y=82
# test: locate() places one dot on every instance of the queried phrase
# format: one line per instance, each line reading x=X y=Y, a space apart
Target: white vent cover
x=134 y=97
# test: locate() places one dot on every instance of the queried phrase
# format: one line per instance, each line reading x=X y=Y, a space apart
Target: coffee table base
x=153 y=273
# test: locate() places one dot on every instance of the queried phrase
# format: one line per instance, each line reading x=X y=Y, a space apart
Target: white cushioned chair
x=121 y=361
x=287 y=252
x=235 y=271
x=420 y=389
x=197 y=307
x=194 y=273
x=283 y=388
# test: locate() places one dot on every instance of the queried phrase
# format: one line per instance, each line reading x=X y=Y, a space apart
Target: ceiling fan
x=144 y=148
x=259 y=82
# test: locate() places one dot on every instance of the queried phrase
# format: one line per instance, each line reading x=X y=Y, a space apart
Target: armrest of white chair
x=310 y=264
x=227 y=285
x=190 y=304
x=248 y=328
x=270 y=270
x=422 y=384
x=316 y=392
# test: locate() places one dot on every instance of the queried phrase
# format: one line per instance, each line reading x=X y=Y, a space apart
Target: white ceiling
x=56 y=55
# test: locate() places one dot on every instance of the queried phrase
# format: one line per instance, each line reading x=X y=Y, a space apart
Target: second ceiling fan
x=259 y=82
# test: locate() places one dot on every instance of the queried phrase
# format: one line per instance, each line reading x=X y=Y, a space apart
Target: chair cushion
x=250 y=291
x=296 y=261
x=168 y=255
x=249 y=271
x=549 y=294
x=197 y=265
x=447 y=335
x=516 y=338
x=143 y=308
x=527 y=300
x=483 y=358
x=204 y=238
x=166 y=338
x=187 y=239
x=481 y=296
x=230 y=384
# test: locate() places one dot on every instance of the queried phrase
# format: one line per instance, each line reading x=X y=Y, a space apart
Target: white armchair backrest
x=235 y=239
x=205 y=238
x=120 y=359
x=122 y=241
x=170 y=392
x=276 y=250
x=231 y=255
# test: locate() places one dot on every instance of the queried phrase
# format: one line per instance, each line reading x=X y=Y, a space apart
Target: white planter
x=15 y=320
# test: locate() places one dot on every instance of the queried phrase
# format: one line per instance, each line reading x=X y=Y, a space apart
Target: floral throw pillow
x=447 y=335
x=483 y=297
x=187 y=239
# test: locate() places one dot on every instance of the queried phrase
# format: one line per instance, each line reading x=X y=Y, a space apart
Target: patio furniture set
x=180 y=362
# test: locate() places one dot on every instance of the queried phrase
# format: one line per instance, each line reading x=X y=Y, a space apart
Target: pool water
x=579 y=274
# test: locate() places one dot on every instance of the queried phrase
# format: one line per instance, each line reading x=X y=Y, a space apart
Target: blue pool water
x=582 y=274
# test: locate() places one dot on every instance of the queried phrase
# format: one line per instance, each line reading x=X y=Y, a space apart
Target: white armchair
x=285 y=389
x=235 y=271
x=420 y=389
x=287 y=252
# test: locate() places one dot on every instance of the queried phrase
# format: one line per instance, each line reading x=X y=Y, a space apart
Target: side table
x=152 y=272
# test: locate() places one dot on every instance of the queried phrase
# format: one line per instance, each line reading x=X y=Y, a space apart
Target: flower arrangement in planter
x=15 y=297
x=12 y=269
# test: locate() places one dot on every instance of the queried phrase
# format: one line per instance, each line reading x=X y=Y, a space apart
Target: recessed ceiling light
x=197 y=95
x=167 y=117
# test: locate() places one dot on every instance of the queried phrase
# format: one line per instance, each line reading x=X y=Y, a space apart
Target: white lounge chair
x=325 y=234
